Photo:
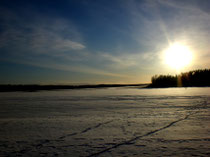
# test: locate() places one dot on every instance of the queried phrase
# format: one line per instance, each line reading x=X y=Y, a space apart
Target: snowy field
x=106 y=122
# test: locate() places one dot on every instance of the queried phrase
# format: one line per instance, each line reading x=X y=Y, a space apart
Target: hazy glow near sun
x=178 y=56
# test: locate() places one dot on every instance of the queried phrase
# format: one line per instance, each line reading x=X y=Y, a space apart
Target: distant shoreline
x=34 y=88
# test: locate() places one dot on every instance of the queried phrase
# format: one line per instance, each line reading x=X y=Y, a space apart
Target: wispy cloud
x=45 y=37
x=66 y=45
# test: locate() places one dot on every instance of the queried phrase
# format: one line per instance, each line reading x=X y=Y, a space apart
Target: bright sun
x=178 y=56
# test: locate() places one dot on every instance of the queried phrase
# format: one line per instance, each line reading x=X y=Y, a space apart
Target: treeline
x=196 y=78
x=33 y=88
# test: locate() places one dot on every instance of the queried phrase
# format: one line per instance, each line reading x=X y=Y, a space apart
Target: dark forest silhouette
x=33 y=88
x=196 y=78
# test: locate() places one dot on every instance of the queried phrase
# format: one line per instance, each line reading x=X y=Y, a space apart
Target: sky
x=91 y=42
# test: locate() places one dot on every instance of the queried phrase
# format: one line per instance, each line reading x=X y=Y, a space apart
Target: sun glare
x=178 y=56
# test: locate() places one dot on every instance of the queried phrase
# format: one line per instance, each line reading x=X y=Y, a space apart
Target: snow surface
x=106 y=122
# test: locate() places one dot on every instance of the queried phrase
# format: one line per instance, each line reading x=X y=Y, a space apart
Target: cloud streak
x=65 y=67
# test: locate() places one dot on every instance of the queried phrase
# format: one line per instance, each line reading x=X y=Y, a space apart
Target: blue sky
x=88 y=41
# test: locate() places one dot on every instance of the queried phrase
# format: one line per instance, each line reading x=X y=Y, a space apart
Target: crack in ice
x=141 y=136
x=85 y=130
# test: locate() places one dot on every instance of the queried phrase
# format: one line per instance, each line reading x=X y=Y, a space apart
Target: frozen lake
x=106 y=122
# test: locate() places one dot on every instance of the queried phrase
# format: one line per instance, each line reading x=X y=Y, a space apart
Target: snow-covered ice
x=106 y=122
